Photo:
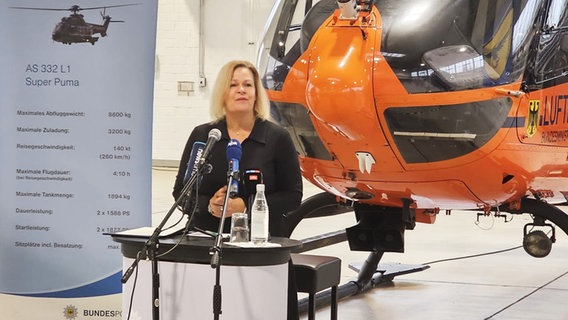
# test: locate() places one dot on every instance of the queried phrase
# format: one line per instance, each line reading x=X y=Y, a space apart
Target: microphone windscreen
x=234 y=150
x=194 y=158
x=215 y=134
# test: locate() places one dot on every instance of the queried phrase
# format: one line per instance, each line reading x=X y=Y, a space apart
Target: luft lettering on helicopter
x=74 y=28
x=403 y=109
x=555 y=110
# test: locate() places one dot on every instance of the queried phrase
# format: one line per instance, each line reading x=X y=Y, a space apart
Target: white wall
x=231 y=30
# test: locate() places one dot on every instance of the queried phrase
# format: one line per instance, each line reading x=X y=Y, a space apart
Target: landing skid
x=390 y=270
x=370 y=275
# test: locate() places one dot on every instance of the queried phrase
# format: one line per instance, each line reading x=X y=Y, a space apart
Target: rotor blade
x=77 y=8
x=47 y=9
x=115 y=6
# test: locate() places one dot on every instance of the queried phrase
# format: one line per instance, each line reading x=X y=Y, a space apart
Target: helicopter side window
x=556 y=11
x=294 y=118
x=280 y=48
x=552 y=56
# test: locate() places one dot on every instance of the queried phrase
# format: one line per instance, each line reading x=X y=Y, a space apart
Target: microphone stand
x=152 y=244
x=215 y=251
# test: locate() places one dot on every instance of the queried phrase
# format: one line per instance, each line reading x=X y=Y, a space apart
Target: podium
x=254 y=280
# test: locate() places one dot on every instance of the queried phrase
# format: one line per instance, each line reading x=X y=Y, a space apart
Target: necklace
x=239 y=131
x=240 y=135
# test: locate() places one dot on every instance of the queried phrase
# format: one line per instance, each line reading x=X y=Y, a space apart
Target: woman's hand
x=218 y=199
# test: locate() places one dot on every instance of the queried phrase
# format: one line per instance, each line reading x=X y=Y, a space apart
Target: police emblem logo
x=70 y=312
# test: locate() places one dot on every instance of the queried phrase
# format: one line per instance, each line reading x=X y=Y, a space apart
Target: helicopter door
x=278 y=52
x=546 y=117
x=280 y=47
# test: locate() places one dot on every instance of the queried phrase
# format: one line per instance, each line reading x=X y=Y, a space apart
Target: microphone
x=194 y=159
x=234 y=152
x=214 y=136
x=190 y=171
x=196 y=164
x=251 y=177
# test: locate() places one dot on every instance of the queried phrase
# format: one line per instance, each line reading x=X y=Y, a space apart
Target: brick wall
x=231 y=30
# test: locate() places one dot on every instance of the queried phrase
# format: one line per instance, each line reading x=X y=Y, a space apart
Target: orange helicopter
x=402 y=109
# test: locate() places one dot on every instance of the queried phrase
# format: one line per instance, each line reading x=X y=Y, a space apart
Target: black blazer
x=268 y=148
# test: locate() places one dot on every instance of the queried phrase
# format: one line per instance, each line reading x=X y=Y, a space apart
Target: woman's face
x=241 y=95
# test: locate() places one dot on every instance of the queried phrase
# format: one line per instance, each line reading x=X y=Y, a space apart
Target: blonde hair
x=223 y=83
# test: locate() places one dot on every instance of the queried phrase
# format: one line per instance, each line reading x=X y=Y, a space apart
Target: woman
x=240 y=108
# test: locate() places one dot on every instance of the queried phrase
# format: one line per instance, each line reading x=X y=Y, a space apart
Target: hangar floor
x=481 y=273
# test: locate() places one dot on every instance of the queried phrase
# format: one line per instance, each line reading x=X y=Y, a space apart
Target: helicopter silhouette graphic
x=74 y=28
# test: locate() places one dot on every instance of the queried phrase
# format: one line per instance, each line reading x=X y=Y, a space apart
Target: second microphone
x=234 y=153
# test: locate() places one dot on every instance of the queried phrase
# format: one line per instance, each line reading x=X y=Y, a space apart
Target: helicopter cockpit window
x=449 y=45
x=280 y=47
x=294 y=118
x=551 y=64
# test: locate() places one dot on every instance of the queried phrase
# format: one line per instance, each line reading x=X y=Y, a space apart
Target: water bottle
x=259 y=217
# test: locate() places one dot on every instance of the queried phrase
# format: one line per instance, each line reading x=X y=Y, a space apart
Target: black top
x=268 y=148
